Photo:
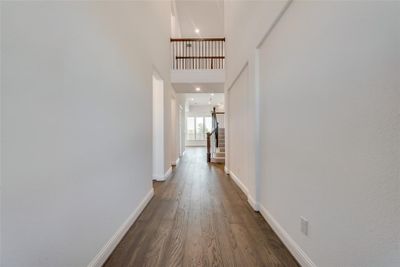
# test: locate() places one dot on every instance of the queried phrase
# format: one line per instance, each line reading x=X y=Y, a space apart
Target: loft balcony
x=198 y=60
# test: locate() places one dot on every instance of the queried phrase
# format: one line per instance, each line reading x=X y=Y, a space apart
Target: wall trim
x=239 y=183
x=245 y=190
x=226 y=170
x=164 y=177
x=176 y=162
x=274 y=23
x=238 y=75
x=252 y=202
x=111 y=244
x=292 y=246
x=263 y=39
x=168 y=173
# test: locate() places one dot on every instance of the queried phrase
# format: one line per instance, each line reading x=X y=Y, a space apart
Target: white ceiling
x=205 y=87
x=206 y=15
x=201 y=99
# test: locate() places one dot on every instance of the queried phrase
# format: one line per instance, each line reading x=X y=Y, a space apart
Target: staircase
x=216 y=139
x=219 y=155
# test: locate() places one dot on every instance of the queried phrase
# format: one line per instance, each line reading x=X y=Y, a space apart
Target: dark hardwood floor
x=199 y=217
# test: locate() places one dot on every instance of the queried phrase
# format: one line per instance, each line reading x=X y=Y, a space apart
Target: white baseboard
x=293 y=247
x=163 y=177
x=239 y=183
x=109 y=247
x=167 y=173
x=252 y=202
x=226 y=170
x=176 y=162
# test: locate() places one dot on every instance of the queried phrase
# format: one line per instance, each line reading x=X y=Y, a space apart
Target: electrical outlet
x=304 y=226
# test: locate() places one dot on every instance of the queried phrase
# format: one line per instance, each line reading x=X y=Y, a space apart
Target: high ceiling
x=205 y=15
x=204 y=87
x=201 y=99
x=208 y=17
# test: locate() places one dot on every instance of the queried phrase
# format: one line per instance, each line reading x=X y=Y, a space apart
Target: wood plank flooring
x=199 y=217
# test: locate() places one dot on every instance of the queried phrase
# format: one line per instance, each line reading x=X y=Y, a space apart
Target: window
x=190 y=129
x=198 y=127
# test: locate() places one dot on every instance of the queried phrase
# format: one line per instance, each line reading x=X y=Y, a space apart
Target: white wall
x=174 y=131
x=158 y=128
x=181 y=131
x=329 y=94
x=201 y=110
x=330 y=123
x=204 y=76
x=76 y=124
x=170 y=126
x=175 y=24
x=246 y=23
x=240 y=146
x=181 y=100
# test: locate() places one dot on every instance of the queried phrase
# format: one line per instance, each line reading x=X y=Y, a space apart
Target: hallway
x=199 y=217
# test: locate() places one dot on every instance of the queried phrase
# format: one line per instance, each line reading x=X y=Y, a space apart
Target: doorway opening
x=158 y=128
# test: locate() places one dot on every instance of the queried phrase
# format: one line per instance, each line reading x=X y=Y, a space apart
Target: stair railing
x=212 y=142
x=212 y=137
x=198 y=53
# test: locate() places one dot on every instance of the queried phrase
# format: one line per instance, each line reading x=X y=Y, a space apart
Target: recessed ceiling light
x=192 y=99
x=212 y=94
x=198 y=89
x=197 y=30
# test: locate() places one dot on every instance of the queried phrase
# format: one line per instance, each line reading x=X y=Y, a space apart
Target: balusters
x=196 y=53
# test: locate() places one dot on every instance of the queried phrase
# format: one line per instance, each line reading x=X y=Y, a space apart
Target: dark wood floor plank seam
x=199 y=217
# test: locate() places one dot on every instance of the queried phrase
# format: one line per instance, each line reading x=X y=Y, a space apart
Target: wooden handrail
x=213 y=131
x=196 y=39
x=197 y=53
x=205 y=57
